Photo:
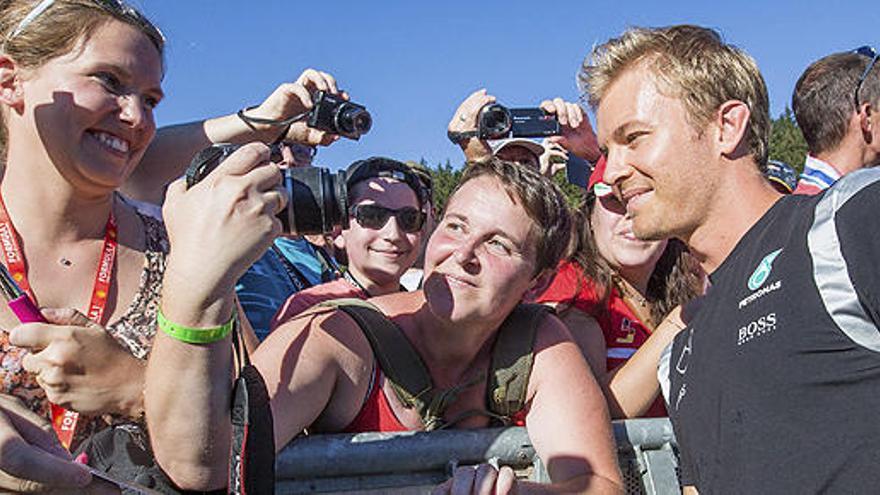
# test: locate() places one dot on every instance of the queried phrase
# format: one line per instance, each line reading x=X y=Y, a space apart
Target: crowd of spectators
x=698 y=279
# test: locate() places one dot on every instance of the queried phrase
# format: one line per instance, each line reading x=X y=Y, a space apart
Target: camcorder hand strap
x=252 y=461
x=459 y=137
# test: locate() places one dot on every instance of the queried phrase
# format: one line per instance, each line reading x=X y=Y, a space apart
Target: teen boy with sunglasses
x=387 y=212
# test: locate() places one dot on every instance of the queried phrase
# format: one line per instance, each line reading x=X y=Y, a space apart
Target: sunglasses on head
x=115 y=7
x=865 y=51
x=375 y=217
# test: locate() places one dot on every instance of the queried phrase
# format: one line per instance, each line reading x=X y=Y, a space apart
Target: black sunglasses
x=869 y=52
x=375 y=217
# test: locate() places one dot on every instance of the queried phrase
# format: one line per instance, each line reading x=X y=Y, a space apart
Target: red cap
x=598 y=172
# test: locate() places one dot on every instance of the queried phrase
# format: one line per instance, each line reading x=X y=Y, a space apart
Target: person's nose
x=466 y=254
x=135 y=112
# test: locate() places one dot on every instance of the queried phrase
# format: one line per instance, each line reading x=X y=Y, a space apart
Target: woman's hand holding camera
x=218 y=228
x=79 y=365
x=291 y=99
x=577 y=136
x=466 y=120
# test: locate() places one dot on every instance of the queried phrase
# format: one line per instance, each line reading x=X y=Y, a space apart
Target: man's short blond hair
x=695 y=65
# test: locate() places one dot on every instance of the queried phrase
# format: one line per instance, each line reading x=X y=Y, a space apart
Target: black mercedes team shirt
x=774 y=387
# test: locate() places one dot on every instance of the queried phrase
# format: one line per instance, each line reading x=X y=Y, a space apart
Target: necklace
x=630 y=292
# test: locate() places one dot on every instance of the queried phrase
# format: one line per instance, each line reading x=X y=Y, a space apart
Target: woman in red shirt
x=614 y=294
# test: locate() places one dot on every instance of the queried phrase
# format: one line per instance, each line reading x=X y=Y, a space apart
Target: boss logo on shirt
x=757 y=328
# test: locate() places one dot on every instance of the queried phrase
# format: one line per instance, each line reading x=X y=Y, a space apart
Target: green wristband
x=194 y=335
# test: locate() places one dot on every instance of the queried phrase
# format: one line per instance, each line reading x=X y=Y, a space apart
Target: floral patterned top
x=134 y=331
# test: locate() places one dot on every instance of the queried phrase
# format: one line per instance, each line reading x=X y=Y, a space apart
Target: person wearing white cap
x=576 y=135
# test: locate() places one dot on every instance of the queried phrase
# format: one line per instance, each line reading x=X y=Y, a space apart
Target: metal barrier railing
x=411 y=462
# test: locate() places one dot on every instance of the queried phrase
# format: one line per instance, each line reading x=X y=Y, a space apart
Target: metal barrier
x=412 y=462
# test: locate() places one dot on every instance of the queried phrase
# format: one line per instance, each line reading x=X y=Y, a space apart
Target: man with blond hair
x=772 y=387
x=835 y=102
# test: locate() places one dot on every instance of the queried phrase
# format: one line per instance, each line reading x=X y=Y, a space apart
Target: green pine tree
x=786 y=141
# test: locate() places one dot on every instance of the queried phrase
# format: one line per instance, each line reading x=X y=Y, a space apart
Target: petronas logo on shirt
x=762 y=272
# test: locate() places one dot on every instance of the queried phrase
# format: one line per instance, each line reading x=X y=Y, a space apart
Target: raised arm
x=465 y=120
x=175 y=146
x=216 y=229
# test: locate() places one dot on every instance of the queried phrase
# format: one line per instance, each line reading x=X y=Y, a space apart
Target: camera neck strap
x=252 y=459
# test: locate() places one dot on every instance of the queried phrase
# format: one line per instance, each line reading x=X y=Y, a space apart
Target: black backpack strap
x=252 y=461
x=512 y=358
x=399 y=361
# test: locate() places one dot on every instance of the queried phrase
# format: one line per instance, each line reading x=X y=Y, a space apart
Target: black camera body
x=338 y=116
x=318 y=198
x=498 y=122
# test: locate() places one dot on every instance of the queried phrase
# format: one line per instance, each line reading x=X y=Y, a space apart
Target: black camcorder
x=498 y=122
x=318 y=198
x=338 y=116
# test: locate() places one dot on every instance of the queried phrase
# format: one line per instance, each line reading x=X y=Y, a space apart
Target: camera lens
x=494 y=122
x=363 y=122
x=318 y=201
x=353 y=120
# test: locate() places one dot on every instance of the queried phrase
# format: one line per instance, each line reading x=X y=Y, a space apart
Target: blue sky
x=411 y=63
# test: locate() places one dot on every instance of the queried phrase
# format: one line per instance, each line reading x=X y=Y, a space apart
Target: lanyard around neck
x=63 y=421
x=15 y=262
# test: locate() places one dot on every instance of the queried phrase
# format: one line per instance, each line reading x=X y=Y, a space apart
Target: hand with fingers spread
x=80 y=366
x=291 y=99
x=228 y=218
x=482 y=479
x=465 y=120
x=31 y=458
x=577 y=136
x=553 y=159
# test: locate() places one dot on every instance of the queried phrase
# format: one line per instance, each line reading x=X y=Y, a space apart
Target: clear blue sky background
x=412 y=62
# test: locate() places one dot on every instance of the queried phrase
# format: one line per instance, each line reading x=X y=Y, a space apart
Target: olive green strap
x=399 y=361
x=512 y=359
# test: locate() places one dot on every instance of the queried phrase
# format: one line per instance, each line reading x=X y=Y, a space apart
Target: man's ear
x=733 y=121
x=11 y=93
x=539 y=285
x=865 y=123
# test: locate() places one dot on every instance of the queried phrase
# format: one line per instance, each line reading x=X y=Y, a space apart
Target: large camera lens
x=318 y=201
x=494 y=122
x=353 y=120
x=318 y=198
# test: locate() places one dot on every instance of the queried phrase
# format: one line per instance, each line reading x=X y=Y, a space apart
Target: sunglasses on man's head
x=375 y=217
x=865 y=51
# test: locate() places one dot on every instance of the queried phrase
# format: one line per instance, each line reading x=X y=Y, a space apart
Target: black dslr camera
x=499 y=122
x=318 y=198
x=337 y=116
